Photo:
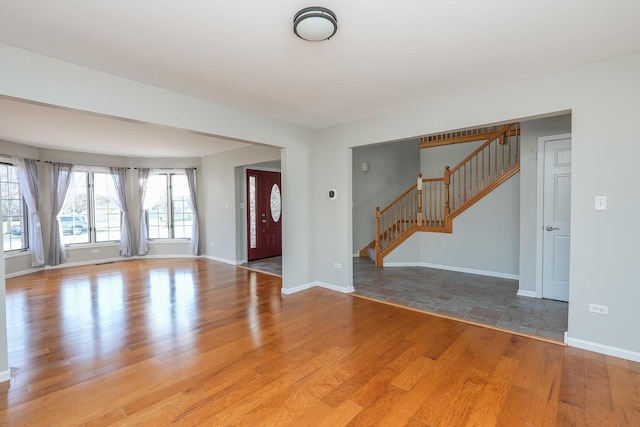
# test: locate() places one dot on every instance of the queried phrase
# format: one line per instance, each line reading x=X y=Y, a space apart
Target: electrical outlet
x=597 y=308
x=95 y=251
x=337 y=265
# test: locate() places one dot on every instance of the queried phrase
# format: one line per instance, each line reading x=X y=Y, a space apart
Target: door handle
x=264 y=220
x=550 y=228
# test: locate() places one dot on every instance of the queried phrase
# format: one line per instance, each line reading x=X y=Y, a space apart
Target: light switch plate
x=601 y=203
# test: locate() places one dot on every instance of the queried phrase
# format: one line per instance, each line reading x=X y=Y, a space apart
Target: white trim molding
x=5 y=376
x=299 y=288
x=602 y=348
x=525 y=293
x=452 y=268
x=305 y=286
x=222 y=260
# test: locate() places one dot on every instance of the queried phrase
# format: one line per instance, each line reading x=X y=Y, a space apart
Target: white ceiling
x=386 y=55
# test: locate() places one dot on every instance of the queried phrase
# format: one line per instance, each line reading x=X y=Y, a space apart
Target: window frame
x=24 y=235
x=90 y=215
x=170 y=192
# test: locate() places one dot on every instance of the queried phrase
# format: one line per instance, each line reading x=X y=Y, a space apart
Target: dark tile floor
x=480 y=299
x=266 y=265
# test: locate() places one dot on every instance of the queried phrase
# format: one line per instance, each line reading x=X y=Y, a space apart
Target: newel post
x=377 y=234
x=447 y=179
x=419 y=187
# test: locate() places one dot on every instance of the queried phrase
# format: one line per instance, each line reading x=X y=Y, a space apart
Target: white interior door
x=556 y=234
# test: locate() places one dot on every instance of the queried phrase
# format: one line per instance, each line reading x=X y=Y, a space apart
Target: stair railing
x=432 y=203
x=483 y=169
x=397 y=218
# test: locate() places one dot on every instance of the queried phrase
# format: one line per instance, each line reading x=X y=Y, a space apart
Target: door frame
x=265 y=247
x=539 y=155
x=241 y=190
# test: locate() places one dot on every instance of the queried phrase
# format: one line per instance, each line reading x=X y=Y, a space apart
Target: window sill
x=16 y=254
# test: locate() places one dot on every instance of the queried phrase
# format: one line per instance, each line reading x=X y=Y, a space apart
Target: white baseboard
x=523 y=293
x=23 y=272
x=335 y=288
x=602 y=348
x=5 y=376
x=165 y=256
x=89 y=262
x=299 y=288
x=304 y=287
x=452 y=268
x=120 y=258
x=222 y=260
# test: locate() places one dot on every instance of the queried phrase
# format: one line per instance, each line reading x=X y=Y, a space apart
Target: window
x=169 y=215
x=74 y=217
x=107 y=213
x=14 y=210
x=90 y=213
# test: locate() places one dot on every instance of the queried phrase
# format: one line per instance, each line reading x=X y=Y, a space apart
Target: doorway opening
x=264 y=214
x=554 y=217
x=403 y=280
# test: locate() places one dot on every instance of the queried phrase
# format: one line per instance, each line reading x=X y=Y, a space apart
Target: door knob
x=264 y=220
x=550 y=228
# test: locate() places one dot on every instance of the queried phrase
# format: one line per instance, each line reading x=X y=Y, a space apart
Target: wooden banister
x=419 y=214
x=432 y=203
x=462 y=136
x=447 y=182
x=482 y=147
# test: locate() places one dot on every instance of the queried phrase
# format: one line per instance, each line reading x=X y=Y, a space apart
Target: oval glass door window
x=276 y=205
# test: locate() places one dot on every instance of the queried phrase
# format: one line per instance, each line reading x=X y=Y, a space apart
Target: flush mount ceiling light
x=315 y=24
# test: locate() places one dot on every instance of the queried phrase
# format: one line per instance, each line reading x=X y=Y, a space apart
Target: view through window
x=169 y=215
x=90 y=213
x=14 y=222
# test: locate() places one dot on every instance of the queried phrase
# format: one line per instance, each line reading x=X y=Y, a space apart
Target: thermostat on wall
x=333 y=194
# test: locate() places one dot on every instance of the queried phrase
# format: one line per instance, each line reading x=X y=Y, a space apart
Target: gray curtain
x=60 y=180
x=193 y=204
x=28 y=179
x=119 y=176
x=143 y=180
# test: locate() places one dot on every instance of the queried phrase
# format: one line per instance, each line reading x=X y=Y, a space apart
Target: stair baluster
x=422 y=208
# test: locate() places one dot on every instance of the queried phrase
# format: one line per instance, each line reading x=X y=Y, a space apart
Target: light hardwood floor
x=194 y=342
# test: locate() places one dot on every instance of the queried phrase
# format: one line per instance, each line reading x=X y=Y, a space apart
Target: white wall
x=392 y=169
x=433 y=160
x=475 y=234
x=485 y=237
x=222 y=210
x=603 y=100
x=602 y=97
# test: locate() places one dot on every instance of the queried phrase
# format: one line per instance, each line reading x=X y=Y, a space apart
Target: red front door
x=264 y=214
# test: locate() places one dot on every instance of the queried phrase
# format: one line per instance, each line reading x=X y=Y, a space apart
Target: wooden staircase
x=432 y=203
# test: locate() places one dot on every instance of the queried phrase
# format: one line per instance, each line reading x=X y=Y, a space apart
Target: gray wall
x=224 y=209
x=601 y=96
x=433 y=160
x=602 y=100
x=392 y=169
x=484 y=238
x=498 y=235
